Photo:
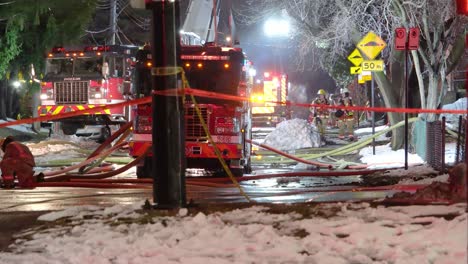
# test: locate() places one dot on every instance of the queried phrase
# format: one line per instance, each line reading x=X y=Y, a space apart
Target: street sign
x=400 y=38
x=355 y=57
x=361 y=79
x=367 y=75
x=371 y=45
x=355 y=70
x=372 y=65
x=413 y=42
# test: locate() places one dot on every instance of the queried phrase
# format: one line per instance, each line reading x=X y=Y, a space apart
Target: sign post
x=406 y=42
x=371 y=45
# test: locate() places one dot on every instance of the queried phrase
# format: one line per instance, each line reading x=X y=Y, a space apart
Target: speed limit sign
x=372 y=65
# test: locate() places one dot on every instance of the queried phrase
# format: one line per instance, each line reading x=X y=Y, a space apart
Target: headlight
x=44 y=96
x=97 y=96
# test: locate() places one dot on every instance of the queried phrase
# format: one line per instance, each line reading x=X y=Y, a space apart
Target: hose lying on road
x=306 y=158
x=86 y=162
x=92 y=185
x=123 y=129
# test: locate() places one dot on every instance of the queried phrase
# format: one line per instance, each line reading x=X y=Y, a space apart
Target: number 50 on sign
x=372 y=65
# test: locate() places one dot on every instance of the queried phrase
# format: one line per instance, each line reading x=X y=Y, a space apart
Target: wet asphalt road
x=272 y=190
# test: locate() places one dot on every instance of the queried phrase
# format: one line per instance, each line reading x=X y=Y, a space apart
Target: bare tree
x=325 y=30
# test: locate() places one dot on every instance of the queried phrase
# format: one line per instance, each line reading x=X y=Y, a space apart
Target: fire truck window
x=142 y=81
x=87 y=67
x=58 y=68
x=116 y=66
x=213 y=77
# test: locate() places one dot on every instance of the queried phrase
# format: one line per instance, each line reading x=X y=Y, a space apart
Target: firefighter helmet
x=344 y=90
x=321 y=92
x=5 y=141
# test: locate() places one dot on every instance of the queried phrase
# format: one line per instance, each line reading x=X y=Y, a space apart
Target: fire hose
x=339 y=151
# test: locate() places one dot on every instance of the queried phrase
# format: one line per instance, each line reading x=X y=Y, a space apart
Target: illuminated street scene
x=220 y=131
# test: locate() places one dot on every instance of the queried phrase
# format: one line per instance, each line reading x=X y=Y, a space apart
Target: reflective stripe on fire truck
x=263 y=109
x=56 y=110
x=284 y=88
x=60 y=109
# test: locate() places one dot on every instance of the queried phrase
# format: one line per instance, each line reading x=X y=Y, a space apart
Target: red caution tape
x=202 y=93
x=76 y=113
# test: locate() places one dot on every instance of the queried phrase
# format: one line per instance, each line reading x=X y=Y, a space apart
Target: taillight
x=226 y=125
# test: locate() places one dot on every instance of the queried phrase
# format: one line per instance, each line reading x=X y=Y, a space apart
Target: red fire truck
x=209 y=68
x=85 y=77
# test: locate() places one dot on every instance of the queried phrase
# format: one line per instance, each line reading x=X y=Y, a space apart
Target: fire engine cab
x=81 y=78
x=210 y=68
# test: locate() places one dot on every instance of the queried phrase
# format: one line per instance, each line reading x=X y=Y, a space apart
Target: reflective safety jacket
x=18 y=151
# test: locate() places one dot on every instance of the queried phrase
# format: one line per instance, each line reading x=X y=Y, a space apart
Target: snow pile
x=26 y=128
x=293 y=134
x=451 y=119
x=340 y=233
x=385 y=157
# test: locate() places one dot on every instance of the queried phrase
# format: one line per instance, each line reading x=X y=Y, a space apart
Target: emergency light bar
x=97 y=48
x=86 y=49
x=204 y=57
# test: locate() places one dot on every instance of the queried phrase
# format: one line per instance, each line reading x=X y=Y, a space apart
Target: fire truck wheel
x=105 y=134
x=237 y=172
x=144 y=171
x=248 y=167
x=69 y=129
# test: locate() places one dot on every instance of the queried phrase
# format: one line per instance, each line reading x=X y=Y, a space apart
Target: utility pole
x=215 y=20
x=113 y=20
x=168 y=124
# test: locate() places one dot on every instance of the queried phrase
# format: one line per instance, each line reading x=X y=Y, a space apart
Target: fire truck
x=267 y=94
x=209 y=68
x=80 y=78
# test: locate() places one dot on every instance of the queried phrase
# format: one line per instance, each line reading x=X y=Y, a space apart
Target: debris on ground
x=453 y=191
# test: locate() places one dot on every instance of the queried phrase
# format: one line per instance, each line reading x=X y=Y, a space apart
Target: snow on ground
x=26 y=128
x=385 y=157
x=366 y=132
x=451 y=119
x=293 y=134
x=350 y=233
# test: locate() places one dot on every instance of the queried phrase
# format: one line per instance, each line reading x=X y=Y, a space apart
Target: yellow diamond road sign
x=371 y=45
x=355 y=57
x=355 y=70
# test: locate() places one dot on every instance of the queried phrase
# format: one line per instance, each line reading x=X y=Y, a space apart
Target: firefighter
x=320 y=114
x=345 y=116
x=332 y=120
x=18 y=162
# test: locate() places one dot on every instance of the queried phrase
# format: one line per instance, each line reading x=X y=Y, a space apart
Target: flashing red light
x=97 y=48
x=58 y=50
x=462 y=7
